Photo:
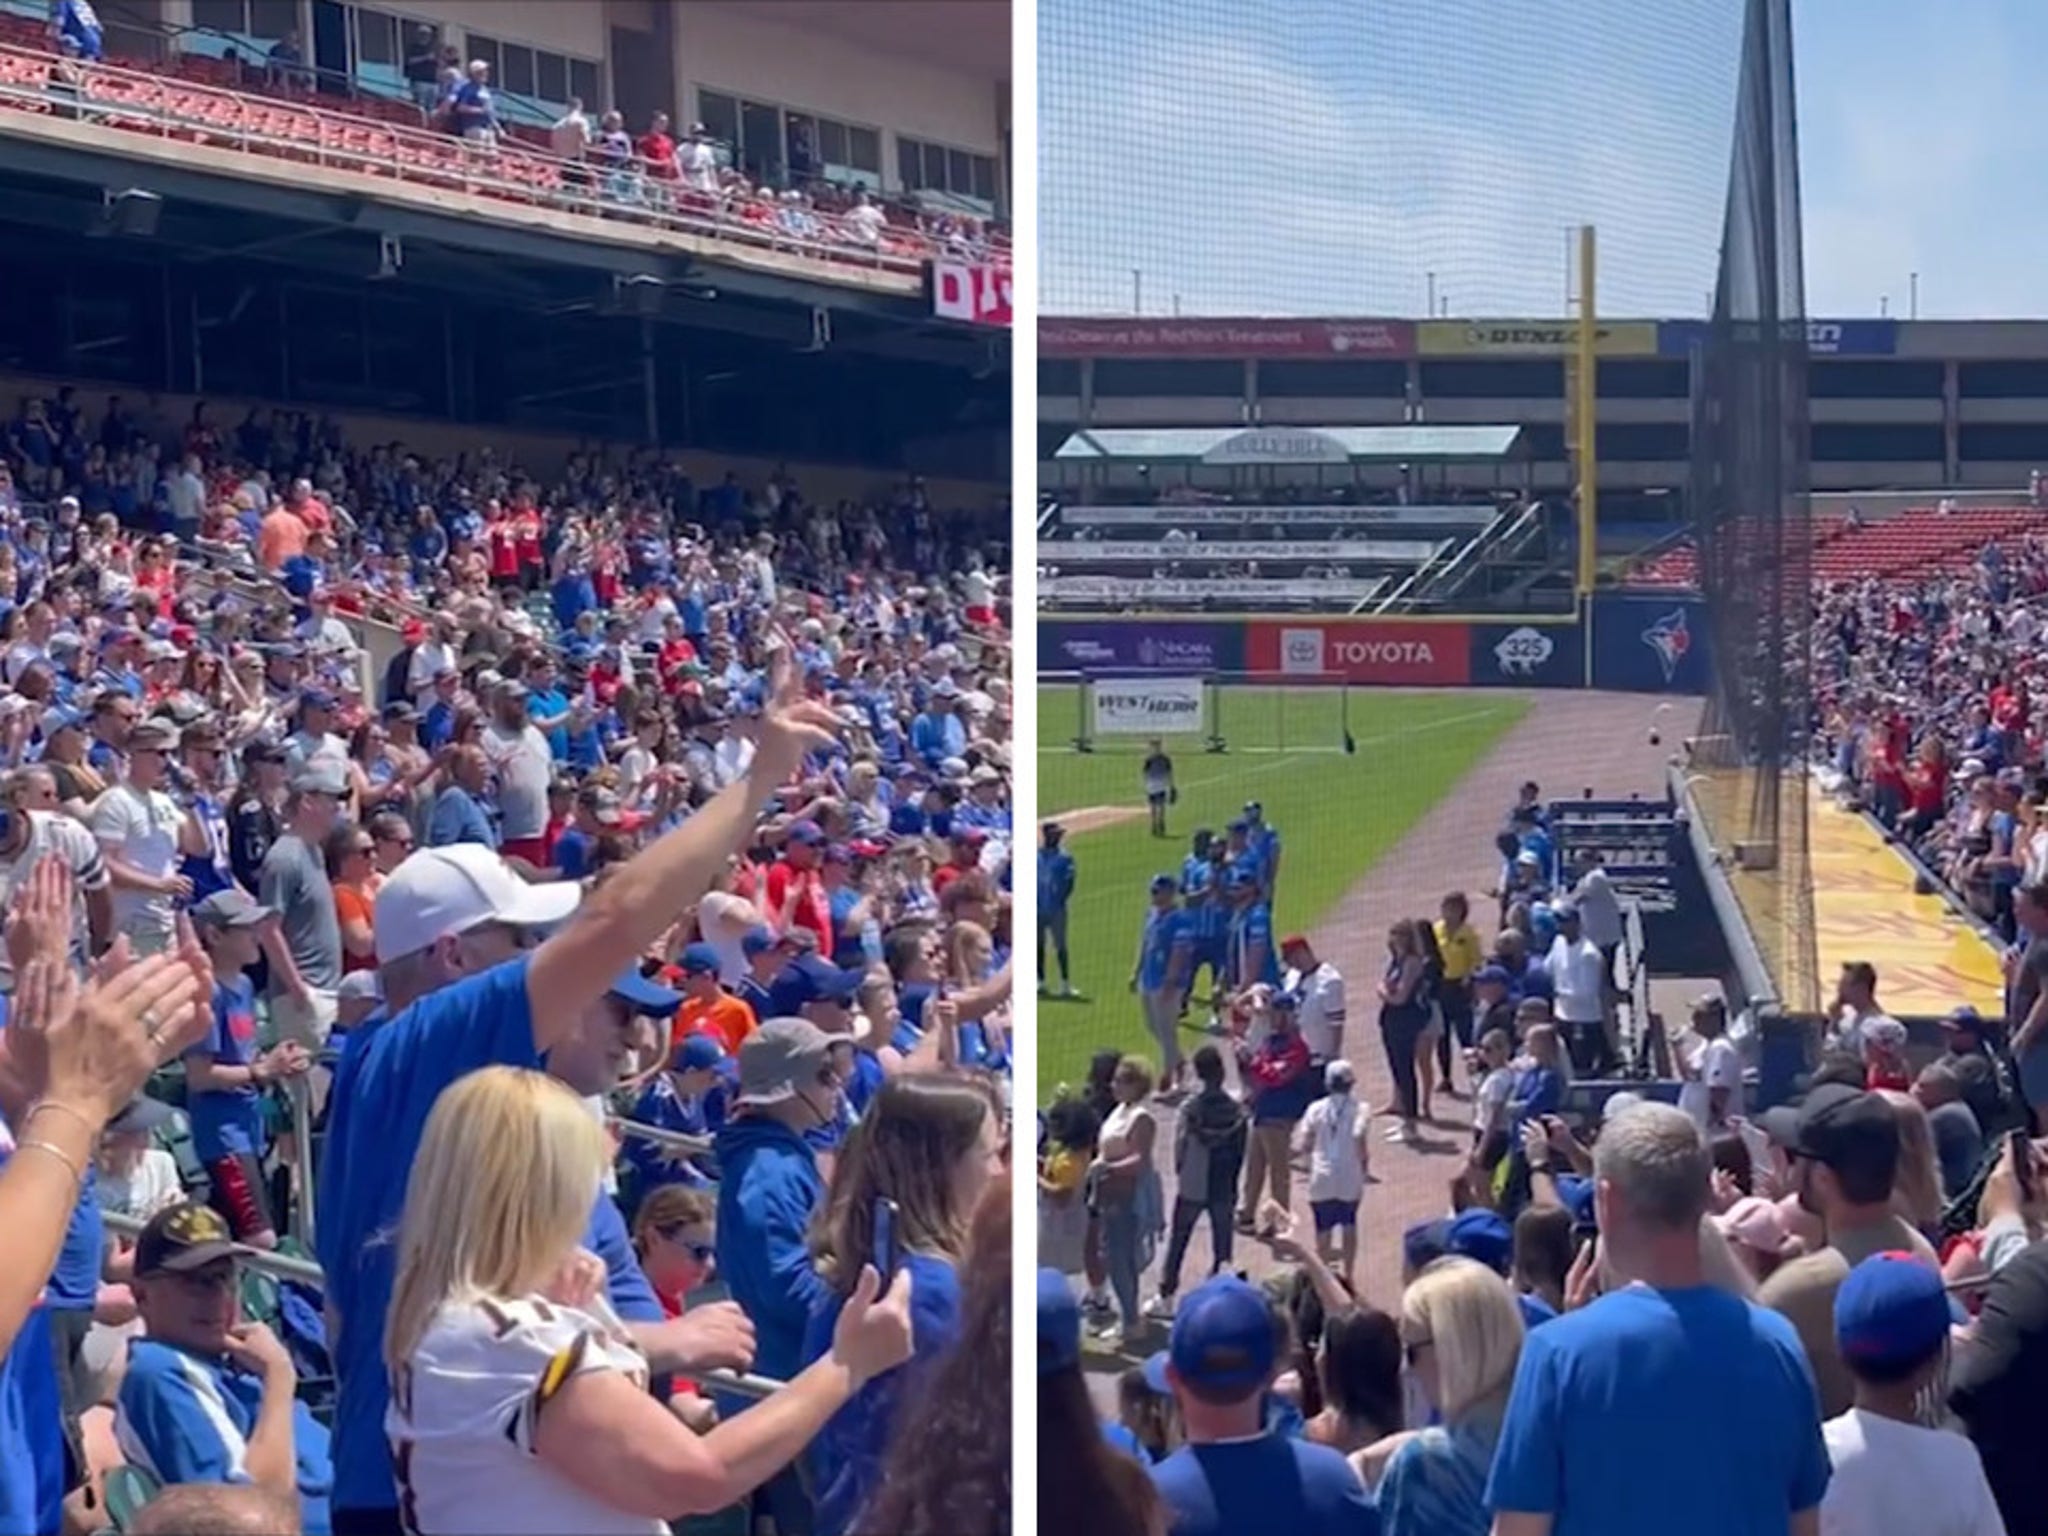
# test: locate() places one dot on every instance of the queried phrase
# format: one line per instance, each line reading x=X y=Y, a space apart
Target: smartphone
x=887 y=1258
x=2022 y=1164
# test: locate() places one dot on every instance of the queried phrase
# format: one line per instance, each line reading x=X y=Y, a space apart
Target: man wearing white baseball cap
x=467 y=986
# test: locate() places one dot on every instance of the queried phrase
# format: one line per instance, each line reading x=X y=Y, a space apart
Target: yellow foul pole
x=1586 y=389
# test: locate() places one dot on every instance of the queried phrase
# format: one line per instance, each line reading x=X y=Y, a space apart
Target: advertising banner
x=976 y=292
x=1148 y=706
x=1532 y=338
x=1824 y=338
x=1149 y=645
x=1362 y=651
x=1266 y=551
x=1174 y=515
x=1647 y=644
x=1225 y=338
x=1528 y=656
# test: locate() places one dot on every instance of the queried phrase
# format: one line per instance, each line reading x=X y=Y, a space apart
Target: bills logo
x=1670 y=639
x=1522 y=651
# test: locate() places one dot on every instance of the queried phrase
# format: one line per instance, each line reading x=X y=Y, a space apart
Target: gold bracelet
x=84 y=1123
x=77 y=1173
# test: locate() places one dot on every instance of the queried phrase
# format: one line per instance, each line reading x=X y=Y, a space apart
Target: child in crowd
x=1073 y=1130
x=689 y=1098
x=1490 y=1101
x=1334 y=1134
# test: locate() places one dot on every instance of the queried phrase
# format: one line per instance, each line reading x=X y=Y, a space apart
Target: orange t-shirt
x=282 y=537
x=355 y=906
x=724 y=1017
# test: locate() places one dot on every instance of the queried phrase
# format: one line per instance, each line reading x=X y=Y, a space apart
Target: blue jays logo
x=1670 y=639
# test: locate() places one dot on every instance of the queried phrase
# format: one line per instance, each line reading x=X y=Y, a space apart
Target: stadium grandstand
x=504 y=599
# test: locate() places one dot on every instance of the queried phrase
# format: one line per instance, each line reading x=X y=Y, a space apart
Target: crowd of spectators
x=419 y=828
x=1835 y=1305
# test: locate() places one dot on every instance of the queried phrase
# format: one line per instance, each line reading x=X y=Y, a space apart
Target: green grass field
x=1336 y=814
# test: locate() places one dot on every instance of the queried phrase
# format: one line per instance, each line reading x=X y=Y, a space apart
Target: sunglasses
x=1413 y=1350
x=703 y=1253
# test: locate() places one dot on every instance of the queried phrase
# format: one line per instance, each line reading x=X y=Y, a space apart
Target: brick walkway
x=1568 y=743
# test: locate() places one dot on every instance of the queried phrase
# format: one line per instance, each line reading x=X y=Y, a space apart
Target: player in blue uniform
x=1201 y=890
x=1166 y=947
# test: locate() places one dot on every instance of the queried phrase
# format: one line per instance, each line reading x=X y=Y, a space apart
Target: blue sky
x=1306 y=157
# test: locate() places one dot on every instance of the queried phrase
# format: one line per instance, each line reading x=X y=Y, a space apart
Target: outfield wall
x=1629 y=642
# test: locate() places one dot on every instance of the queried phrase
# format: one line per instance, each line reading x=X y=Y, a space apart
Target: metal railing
x=189 y=113
x=286 y=1267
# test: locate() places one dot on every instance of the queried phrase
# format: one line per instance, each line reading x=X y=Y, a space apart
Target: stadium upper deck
x=1918 y=405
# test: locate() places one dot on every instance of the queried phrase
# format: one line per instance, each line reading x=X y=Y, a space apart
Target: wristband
x=61 y=1108
x=49 y=1149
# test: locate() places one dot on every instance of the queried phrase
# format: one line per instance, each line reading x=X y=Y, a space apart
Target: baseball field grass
x=1336 y=812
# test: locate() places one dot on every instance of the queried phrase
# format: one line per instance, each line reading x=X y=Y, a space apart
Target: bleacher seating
x=211 y=102
x=1919 y=540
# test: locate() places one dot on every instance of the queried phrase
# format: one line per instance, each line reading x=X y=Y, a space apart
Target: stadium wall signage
x=974 y=292
x=1225 y=338
x=1150 y=706
x=1646 y=644
x=1108 y=645
x=1532 y=338
x=1528 y=655
x=1824 y=338
x=1362 y=651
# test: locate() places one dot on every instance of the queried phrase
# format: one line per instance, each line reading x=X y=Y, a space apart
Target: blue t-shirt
x=575 y=852
x=849 y=1451
x=187 y=1418
x=1273 y=1483
x=33 y=1457
x=75 y=1282
x=1055 y=880
x=229 y=1122
x=1165 y=932
x=1203 y=901
x=1251 y=926
x=1619 y=1403
x=386 y=1084
x=1436 y=1482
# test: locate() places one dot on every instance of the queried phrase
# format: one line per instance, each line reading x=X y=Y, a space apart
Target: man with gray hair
x=217 y=1509
x=1616 y=1404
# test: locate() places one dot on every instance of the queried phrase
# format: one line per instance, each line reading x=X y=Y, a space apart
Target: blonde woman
x=518 y=1404
x=1916 y=1190
x=1462 y=1331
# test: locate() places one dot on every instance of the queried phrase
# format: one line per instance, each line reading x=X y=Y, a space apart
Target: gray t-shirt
x=2027 y=981
x=1958 y=1144
x=294 y=884
x=521 y=762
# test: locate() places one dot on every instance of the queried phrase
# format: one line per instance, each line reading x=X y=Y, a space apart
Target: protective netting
x=1749 y=497
x=1321 y=157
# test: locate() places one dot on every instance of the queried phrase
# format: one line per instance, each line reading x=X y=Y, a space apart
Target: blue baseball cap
x=808 y=833
x=1424 y=1243
x=1482 y=1235
x=1239 y=825
x=811 y=979
x=1222 y=1338
x=758 y=940
x=698 y=1053
x=1059 y=1324
x=699 y=959
x=642 y=995
x=1576 y=1191
x=1164 y=883
x=1891 y=1313
x=1490 y=975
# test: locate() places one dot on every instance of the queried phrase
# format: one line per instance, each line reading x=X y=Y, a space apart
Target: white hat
x=441 y=891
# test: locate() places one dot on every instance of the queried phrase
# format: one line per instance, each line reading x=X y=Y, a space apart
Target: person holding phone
x=903 y=1195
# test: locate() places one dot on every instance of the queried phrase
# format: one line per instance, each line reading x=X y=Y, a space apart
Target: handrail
x=285 y=1267
x=511 y=171
x=654 y=1135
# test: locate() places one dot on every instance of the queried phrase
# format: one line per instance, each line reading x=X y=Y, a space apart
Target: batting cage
x=1751 y=514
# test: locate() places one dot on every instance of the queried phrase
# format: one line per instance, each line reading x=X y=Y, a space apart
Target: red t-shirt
x=504 y=548
x=528 y=528
x=812 y=909
x=659 y=151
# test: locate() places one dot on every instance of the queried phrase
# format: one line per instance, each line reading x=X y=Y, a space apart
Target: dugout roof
x=1291 y=445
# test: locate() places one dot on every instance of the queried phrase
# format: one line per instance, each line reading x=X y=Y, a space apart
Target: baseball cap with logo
x=699 y=959
x=438 y=892
x=229 y=909
x=812 y=979
x=182 y=1238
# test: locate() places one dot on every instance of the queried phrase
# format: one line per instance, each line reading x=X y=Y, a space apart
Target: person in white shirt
x=1321 y=990
x=865 y=221
x=518 y=1402
x=1490 y=1099
x=699 y=161
x=1894 y=1475
x=1856 y=1006
x=1579 y=988
x=1334 y=1135
x=521 y=765
x=569 y=136
x=32 y=829
x=1709 y=1068
x=142 y=832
